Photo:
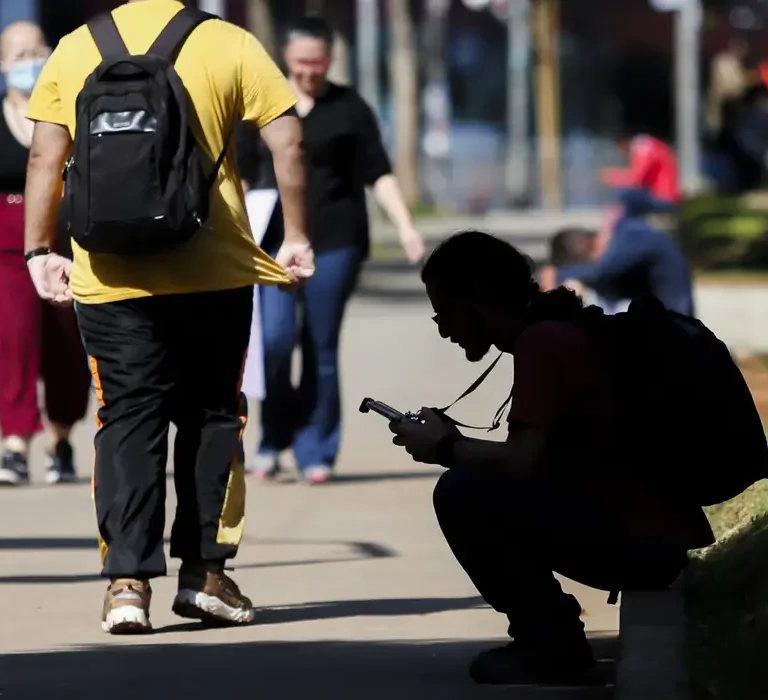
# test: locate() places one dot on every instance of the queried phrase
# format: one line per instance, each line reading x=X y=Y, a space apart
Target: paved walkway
x=361 y=596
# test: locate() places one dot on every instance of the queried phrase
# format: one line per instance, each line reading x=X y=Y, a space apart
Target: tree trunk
x=403 y=71
x=261 y=25
x=546 y=27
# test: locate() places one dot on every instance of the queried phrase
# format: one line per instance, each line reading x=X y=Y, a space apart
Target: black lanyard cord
x=472 y=388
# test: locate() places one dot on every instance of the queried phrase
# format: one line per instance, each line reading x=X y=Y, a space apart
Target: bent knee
x=467 y=488
x=484 y=493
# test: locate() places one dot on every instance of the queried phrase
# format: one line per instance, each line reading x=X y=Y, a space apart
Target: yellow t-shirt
x=229 y=76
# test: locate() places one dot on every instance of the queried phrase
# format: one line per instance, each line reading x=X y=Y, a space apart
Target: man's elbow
x=51 y=146
x=523 y=450
x=40 y=159
x=283 y=137
x=290 y=151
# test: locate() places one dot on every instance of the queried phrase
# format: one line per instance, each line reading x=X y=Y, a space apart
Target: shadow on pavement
x=358 y=551
x=327 y=670
x=352 y=478
x=386 y=607
x=47 y=579
x=23 y=543
x=338 y=609
x=366 y=550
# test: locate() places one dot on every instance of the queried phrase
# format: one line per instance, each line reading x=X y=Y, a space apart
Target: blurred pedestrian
x=728 y=82
x=344 y=154
x=167 y=330
x=737 y=119
x=36 y=340
x=639 y=261
x=650 y=179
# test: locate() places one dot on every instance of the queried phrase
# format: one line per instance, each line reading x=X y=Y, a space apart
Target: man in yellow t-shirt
x=167 y=333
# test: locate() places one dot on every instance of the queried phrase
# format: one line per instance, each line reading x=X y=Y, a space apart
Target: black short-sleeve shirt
x=345 y=154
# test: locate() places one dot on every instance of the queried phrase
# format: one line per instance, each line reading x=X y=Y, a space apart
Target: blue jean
x=307 y=418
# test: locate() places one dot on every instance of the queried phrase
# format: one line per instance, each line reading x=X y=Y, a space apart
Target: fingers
x=297 y=273
x=399 y=441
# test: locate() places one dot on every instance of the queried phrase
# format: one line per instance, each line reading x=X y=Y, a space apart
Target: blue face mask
x=22 y=76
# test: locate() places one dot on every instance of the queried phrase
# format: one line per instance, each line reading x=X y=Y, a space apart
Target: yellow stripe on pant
x=232 y=519
x=100 y=398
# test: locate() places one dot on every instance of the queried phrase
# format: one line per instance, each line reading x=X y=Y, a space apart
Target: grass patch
x=382 y=251
x=727 y=598
x=727 y=587
x=733 y=278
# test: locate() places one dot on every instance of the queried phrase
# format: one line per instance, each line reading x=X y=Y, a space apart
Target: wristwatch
x=36 y=252
x=444 y=450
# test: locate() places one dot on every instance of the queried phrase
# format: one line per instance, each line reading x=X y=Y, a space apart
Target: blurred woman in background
x=345 y=155
x=36 y=339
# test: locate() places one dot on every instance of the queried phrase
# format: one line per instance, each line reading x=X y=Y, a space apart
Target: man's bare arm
x=283 y=138
x=51 y=147
x=517 y=455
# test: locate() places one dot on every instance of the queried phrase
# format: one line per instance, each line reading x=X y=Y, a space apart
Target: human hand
x=413 y=245
x=548 y=278
x=420 y=439
x=298 y=260
x=50 y=276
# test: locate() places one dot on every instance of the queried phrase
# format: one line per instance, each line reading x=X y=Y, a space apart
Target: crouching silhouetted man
x=553 y=497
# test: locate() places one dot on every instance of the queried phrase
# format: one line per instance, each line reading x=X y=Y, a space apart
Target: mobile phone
x=391 y=414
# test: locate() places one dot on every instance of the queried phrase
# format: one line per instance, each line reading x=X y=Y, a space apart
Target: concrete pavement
x=360 y=595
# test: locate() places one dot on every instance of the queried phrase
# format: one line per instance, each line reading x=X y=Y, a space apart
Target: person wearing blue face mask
x=36 y=339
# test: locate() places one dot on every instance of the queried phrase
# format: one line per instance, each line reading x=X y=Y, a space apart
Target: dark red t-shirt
x=561 y=387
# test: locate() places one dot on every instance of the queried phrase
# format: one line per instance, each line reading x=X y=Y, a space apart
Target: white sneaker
x=212 y=597
x=126 y=607
x=265 y=466
x=320 y=474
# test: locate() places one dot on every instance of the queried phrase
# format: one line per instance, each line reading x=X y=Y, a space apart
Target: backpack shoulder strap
x=171 y=40
x=107 y=36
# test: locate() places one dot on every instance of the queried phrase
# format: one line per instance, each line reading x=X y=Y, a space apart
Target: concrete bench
x=651 y=664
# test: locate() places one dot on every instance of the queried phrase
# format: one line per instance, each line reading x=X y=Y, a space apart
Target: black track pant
x=156 y=361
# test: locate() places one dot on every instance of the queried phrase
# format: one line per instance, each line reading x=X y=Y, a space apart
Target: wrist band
x=36 y=252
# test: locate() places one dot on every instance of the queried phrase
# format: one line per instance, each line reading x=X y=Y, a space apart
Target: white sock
x=14 y=443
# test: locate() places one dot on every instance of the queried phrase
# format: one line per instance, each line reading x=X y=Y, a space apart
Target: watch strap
x=36 y=253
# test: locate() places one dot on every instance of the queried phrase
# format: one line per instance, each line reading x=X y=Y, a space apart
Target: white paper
x=260 y=204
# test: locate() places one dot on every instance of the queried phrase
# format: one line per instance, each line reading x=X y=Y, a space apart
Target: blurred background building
x=490 y=104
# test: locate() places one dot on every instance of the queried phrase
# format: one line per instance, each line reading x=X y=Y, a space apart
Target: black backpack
x=137 y=182
x=689 y=426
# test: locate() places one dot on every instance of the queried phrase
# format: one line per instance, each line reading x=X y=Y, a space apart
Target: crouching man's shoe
x=515 y=665
x=206 y=593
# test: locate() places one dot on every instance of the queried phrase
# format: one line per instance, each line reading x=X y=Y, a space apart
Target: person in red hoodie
x=650 y=181
x=652 y=168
